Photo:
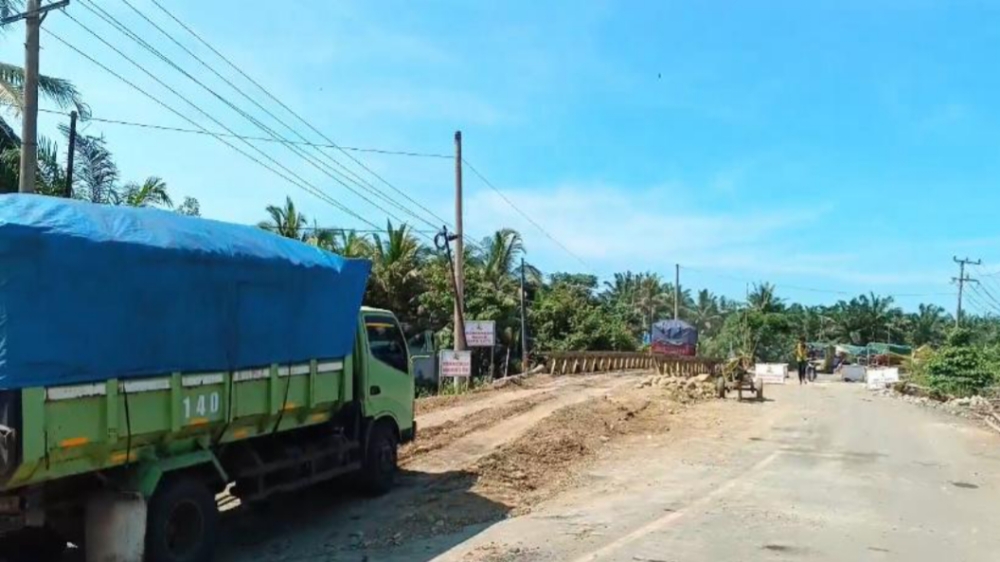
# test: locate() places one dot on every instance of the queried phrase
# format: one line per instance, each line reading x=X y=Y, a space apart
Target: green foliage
x=963 y=370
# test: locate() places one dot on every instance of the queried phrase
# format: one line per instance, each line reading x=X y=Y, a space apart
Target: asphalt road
x=826 y=472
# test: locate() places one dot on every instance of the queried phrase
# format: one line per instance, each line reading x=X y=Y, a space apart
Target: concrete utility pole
x=524 y=326
x=962 y=279
x=32 y=17
x=459 y=249
x=69 y=157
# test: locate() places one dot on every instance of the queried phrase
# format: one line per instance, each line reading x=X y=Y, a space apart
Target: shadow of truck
x=332 y=521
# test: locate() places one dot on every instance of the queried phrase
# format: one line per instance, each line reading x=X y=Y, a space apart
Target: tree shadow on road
x=336 y=522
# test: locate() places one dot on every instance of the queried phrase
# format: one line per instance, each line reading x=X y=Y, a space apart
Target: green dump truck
x=129 y=466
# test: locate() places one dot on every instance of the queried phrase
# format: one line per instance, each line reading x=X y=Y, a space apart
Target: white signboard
x=875 y=379
x=881 y=378
x=455 y=363
x=852 y=373
x=771 y=373
x=480 y=333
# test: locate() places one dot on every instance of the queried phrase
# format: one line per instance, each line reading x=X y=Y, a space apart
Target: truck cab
x=384 y=371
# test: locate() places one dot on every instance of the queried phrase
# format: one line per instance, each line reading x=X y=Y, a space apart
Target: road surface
x=826 y=472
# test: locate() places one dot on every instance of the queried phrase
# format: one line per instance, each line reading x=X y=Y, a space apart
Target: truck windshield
x=386 y=343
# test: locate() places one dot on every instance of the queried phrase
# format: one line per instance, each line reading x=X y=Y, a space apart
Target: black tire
x=381 y=457
x=182 y=522
x=720 y=387
x=33 y=544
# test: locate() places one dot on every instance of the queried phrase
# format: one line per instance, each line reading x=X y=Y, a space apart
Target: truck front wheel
x=380 y=460
x=182 y=522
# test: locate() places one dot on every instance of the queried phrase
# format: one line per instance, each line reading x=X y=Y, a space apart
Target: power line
x=210 y=133
x=288 y=109
x=343 y=171
x=523 y=214
x=301 y=184
x=980 y=302
x=111 y=20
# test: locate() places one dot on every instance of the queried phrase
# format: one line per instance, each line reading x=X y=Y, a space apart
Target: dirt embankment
x=490 y=456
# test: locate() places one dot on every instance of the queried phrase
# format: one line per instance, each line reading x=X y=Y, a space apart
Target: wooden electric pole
x=524 y=325
x=32 y=17
x=29 y=129
x=677 y=290
x=459 y=249
x=962 y=279
x=69 y=157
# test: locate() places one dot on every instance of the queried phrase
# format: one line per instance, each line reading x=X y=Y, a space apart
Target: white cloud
x=614 y=227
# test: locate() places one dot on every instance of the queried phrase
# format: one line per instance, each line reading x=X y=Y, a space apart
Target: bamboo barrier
x=581 y=362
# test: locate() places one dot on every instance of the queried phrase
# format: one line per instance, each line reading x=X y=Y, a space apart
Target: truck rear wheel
x=381 y=456
x=182 y=522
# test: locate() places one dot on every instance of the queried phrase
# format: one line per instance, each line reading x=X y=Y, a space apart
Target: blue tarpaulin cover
x=674 y=332
x=90 y=292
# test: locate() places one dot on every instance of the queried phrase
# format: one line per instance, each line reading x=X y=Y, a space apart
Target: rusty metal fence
x=574 y=362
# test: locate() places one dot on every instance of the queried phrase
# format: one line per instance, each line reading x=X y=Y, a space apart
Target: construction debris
x=683 y=389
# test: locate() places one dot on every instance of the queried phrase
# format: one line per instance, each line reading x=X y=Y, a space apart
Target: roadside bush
x=961 y=369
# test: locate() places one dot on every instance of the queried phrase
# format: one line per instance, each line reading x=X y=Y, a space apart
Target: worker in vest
x=802 y=358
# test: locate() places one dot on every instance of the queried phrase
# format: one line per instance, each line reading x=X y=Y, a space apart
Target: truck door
x=389 y=386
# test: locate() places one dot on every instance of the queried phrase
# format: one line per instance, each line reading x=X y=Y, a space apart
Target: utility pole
x=29 y=129
x=962 y=279
x=33 y=17
x=69 y=157
x=524 y=326
x=459 y=249
x=677 y=290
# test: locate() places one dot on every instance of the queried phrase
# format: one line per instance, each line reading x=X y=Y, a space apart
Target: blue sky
x=845 y=146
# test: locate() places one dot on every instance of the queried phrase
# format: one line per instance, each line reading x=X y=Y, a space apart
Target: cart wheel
x=760 y=391
x=720 y=387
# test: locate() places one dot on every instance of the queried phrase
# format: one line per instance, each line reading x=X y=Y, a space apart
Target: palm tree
x=705 y=313
x=58 y=91
x=286 y=221
x=150 y=193
x=498 y=255
x=347 y=243
x=763 y=299
x=396 y=263
x=927 y=325
x=500 y=252
x=95 y=173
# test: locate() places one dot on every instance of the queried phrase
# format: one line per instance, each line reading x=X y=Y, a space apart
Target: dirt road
x=826 y=472
x=593 y=469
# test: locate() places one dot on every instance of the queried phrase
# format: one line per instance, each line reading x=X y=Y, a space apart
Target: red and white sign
x=480 y=333
x=455 y=363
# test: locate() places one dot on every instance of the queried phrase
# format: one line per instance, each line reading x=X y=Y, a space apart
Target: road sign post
x=455 y=365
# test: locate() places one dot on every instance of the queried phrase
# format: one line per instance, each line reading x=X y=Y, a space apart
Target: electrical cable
x=300 y=183
x=166 y=128
x=525 y=215
x=294 y=149
x=288 y=109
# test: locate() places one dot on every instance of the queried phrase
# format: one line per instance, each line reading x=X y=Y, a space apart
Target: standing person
x=802 y=358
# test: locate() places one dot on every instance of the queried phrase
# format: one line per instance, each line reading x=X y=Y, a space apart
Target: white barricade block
x=771 y=373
